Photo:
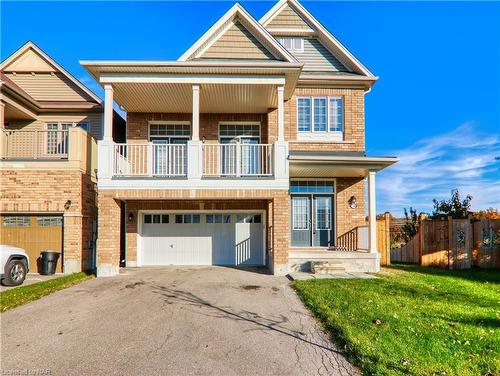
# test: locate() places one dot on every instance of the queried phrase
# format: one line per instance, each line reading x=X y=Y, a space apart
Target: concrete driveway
x=172 y=321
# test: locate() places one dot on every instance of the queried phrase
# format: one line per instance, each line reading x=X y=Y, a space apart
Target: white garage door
x=202 y=239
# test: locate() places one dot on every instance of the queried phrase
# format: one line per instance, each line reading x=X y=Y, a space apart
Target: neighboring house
x=49 y=124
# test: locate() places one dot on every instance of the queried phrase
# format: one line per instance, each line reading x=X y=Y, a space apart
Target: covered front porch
x=334 y=223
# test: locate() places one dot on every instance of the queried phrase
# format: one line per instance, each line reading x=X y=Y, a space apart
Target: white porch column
x=196 y=113
x=105 y=147
x=372 y=213
x=281 y=113
x=194 y=146
x=281 y=168
x=108 y=113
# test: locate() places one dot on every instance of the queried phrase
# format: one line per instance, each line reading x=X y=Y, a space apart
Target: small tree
x=453 y=207
x=410 y=227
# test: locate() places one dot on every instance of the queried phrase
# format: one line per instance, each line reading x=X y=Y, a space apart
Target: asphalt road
x=170 y=321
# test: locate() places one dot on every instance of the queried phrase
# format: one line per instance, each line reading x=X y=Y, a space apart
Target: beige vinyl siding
x=93 y=119
x=288 y=19
x=317 y=58
x=29 y=61
x=237 y=43
x=49 y=87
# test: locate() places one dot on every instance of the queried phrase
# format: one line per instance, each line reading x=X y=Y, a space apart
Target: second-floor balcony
x=34 y=144
x=41 y=149
x=231 y=160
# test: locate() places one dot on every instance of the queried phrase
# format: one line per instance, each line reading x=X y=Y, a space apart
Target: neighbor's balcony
x=48 y=149
x=34 y=144
x=233 y=160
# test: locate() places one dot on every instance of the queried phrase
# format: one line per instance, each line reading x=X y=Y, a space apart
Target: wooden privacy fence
x=453 y=243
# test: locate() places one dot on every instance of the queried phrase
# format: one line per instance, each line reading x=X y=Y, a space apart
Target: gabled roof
x=238 y=14
x=45 y=64
x=330 y=42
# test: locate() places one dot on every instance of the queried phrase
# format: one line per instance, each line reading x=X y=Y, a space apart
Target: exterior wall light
x=130 y=217
x=67 y=205
x=353 y=202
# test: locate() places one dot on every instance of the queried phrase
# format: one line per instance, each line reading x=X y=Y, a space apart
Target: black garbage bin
x=49 y=262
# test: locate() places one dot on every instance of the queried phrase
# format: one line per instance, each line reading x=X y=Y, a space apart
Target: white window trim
x=312 y=134
x=281 y=41
x=247 y=123
x=169 y=122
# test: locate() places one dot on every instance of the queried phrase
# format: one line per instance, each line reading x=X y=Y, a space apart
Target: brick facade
x=137 y=124
x=348 y=218
x=39 y=192
x=275 y=202
x=354 y=120
x=277 y=242
x=108 y=234
x=354 y=126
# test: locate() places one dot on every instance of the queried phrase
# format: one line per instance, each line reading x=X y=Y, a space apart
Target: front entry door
x=301 y=221
x=322 y=226
x=312 y=220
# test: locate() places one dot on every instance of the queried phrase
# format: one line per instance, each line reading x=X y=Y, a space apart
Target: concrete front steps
x=302 y=259
x=326 y=267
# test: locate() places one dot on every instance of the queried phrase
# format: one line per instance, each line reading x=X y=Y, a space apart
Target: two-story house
x=247 y=150
x=49 y=123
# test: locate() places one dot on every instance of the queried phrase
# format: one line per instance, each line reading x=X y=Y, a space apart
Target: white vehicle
x=14 y=265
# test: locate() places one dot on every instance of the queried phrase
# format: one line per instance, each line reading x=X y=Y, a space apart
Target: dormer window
x=292 y=44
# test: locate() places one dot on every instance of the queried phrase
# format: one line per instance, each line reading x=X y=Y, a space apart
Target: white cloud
x=465 y=159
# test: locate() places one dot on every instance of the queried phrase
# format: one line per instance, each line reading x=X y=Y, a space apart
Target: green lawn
x=412 y=320
x=23 y=294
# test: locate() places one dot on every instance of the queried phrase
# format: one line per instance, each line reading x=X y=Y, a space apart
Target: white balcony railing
x=34 y=144
x=170 y=160
x=150 y=160
x=236 y=160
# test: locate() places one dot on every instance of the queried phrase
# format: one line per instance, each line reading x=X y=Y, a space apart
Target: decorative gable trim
x=288 y=18
x=50 y=63
x=328 y=40
x=237 y=13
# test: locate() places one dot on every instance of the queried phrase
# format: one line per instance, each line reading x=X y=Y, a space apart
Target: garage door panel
x=249 y=244
x=203 y=243
x=223 y=244
x=176 y=244
x=34 y=234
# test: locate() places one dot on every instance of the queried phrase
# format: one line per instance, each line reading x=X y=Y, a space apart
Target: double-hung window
x=320 y=114
x=304 y=114
x=320 y=118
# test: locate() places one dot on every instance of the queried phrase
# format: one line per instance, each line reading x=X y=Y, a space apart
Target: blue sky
x=436 y=105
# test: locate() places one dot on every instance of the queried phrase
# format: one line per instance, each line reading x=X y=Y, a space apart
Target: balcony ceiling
x=225 y=86
x=177 y=98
